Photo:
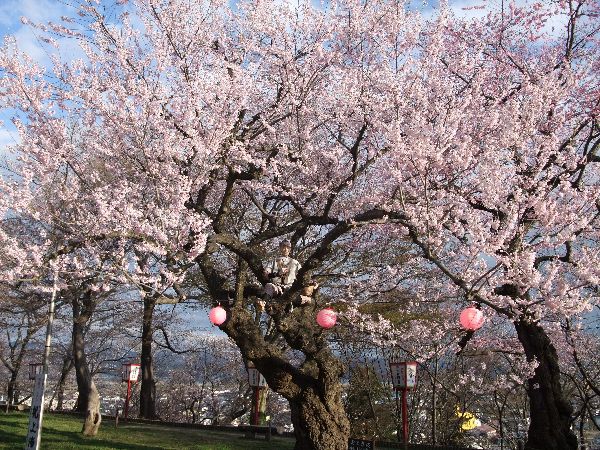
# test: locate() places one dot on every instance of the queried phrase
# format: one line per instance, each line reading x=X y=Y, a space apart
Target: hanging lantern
x=471 y=318
x=217 y=315
x=327 y=318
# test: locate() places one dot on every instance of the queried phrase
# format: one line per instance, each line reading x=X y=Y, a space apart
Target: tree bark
x=92 y=413
x=549 y=411
x=88 y=401
x=12 y=384
x=313 y=390
x=60 y=387
x=148 y=387
x=319 y=423
x=11 y=389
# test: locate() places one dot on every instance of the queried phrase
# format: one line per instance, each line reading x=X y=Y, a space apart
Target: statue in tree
x=281 y=271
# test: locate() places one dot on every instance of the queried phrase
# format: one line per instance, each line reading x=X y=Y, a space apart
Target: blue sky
x=40 y=11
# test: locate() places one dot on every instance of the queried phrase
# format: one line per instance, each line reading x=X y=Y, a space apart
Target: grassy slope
x=63 y=432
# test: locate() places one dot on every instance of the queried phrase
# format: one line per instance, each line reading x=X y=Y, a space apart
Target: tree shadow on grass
x=14 y=440
x=68 y=439
x=59 y=434
x=13 y=430
x=75 y=440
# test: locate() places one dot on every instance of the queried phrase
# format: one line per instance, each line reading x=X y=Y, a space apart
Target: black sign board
x=359 y=444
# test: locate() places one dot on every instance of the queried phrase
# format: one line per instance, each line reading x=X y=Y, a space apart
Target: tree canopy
x=194 y=136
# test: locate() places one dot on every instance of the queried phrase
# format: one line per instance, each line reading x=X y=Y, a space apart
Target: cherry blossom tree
x=202 y=134
x=21 y=318
x=581 y=371
x=210 y=386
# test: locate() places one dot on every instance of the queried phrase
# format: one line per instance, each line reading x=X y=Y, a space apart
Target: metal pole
x=404 y=418
x=398 y=433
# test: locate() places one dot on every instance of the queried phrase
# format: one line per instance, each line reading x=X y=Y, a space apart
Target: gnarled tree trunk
x=148 y=387
x=92 y=413
x=550 y=412
x=319 y=421
x=88 y=401
x=313 y=390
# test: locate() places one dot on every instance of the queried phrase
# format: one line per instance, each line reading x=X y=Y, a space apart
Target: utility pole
x=36 y=413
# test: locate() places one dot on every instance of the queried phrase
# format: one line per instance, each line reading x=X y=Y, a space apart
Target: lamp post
x=130 y=373
x=404 y=378
x=257 y=382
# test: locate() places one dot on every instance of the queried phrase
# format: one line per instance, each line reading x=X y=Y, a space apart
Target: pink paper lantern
x=217 y=315
x=471 y=318
x=327 y=318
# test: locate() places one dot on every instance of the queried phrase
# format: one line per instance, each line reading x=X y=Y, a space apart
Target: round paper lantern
x=217 y=315
x=471 y=318
x=327 y=318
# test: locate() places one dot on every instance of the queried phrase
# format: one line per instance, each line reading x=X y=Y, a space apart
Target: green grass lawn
x=63 y=432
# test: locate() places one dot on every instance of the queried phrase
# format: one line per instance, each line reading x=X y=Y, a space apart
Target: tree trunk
x=148 y=388
x=319 y=423
x=11 y=389
x=92 y=413
x=60 y=388
x=550 y=412
x=88 y=401
x=434 y=401
x=262 y=406
x=314 y=390
x=16 y=362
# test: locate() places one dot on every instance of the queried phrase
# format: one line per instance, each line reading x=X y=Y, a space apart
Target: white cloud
x=474 y=9
x=465 y=8
x=27 y=37
x=7 y=137
x=27 y=42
